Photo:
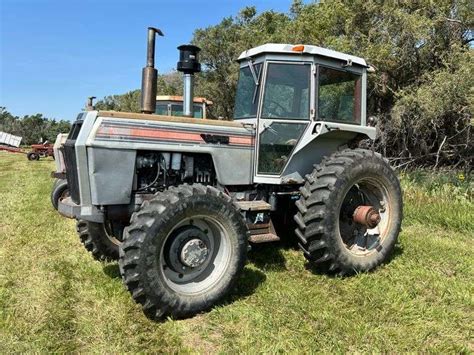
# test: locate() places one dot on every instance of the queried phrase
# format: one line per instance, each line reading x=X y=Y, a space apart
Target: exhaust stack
x=149 y=74
x=90 y=103
x=188 y=64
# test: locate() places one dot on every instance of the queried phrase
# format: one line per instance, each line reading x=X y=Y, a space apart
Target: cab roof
x=298 y=50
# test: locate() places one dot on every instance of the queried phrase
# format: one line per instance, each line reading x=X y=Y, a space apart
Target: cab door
x=287 y=106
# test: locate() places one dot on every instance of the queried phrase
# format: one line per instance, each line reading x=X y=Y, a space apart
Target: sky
x=56 y=53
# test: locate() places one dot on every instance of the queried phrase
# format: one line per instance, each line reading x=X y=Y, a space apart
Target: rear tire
x=60 y=190
x=183 y=251
x=328 y=236
x=98 y=240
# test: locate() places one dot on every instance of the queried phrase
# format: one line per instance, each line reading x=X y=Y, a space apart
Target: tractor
x=178 y=201
x=173 y=106
x=40 y=150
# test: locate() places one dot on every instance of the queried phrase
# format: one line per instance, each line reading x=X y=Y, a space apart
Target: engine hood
x=230 y=144
x=136 y=127
x=174 y=119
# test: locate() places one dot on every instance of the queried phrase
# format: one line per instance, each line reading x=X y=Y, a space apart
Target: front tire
x=183 y=251
x=98 y=239
x=329 y=236
x=60 y=191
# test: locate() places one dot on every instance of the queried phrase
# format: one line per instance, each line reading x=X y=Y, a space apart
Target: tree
x=421 y=92
x=33 y=128
x=168 y=84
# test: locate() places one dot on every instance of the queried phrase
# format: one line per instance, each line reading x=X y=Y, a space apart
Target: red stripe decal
x=141 y=133
x=164 y=134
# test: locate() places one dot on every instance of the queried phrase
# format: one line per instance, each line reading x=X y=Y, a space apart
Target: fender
x=321 y=139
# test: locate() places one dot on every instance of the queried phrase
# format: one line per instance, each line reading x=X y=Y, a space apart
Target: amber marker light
x=298 y=48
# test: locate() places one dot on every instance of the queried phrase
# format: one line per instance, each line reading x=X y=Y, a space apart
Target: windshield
x=287 y=91
x=246 y=98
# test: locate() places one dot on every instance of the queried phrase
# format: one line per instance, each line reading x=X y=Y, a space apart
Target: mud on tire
x=328 y=236
x=153 y=256
x=98 y=240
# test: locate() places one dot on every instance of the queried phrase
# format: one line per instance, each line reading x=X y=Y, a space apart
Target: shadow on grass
x=244 y=287
x=112 y=270
x=248 y=281
x=397 y=251
x=318 y=270
x=268 y=256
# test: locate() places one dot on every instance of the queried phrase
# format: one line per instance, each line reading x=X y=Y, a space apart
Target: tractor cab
x=173 y=106
x=287 y=90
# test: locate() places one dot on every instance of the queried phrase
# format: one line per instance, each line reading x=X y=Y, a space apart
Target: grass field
x=55 y=298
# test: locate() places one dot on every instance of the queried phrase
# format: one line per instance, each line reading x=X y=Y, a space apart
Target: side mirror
x=372 y=121
x=371 y=69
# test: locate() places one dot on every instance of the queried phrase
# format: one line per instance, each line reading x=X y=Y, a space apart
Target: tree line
x=421 y=92
x=33 y=128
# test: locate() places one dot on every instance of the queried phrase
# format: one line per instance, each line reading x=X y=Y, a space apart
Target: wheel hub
x=188 y=250
x=194 y=253
x=367 y=216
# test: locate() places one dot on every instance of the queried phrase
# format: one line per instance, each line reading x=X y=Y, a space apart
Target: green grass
x=55 y=298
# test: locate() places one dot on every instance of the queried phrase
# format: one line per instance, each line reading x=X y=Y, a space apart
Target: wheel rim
x=64 y=194
x=110 y=235
x=195 y=255
x=358 y=239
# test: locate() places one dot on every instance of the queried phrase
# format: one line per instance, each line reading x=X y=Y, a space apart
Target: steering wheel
x=278 y=105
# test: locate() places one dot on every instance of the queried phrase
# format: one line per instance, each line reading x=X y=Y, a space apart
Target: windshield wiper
x=252 y=70
x=256 y=80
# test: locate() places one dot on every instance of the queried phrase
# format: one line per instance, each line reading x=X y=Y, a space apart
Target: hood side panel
x=231 y=147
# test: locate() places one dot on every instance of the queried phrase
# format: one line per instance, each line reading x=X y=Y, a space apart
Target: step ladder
x=257 y=215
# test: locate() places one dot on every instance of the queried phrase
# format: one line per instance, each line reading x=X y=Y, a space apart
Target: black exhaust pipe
x=149 y=74
x=188 y=64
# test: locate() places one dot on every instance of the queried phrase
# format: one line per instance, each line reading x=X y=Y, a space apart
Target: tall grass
x=443 y=199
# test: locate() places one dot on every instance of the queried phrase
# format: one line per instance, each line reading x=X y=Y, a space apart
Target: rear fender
x=319 y=140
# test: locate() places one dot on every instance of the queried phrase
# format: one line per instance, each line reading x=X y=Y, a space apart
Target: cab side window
x=339 y=96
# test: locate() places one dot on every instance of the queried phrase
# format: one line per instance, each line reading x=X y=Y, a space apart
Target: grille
x=70 y=162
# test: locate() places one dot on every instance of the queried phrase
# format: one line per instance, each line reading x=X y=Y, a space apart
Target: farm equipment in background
x=40 y=150
x=173 y=106
x=58 y=145
x=10 y=143
x=177 y=200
